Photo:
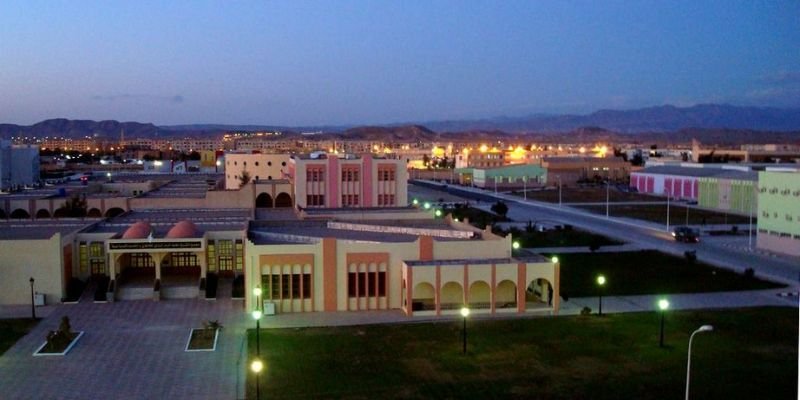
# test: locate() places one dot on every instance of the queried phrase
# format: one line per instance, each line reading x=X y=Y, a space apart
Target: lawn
x=558 y=238
x=752 y=353
x=677 y=214
x=586 y=195
x=647 y=272
x=13 y=329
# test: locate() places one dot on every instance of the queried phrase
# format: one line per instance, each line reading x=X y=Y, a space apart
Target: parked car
x=686 y=234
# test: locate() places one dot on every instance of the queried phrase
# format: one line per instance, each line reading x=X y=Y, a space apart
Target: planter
x=202 y=340
x=38 y=352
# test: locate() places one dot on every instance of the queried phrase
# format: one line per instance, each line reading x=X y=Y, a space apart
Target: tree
x=426 y=161
x=244 y=179
x=637 y=160
x=500 y=208
x=75 y=207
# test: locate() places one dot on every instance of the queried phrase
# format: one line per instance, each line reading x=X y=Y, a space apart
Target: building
x=19 y=165
x=779 y=211
x=482 y=157
x=255 y=167
x=573 y=170
x=327 y=181
x=517 y=176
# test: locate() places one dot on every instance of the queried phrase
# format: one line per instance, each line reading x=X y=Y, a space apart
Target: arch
x=423 y=297
x=61 y=213
x=95 y=213
x=480 y=295
x=452 y=296
x=19 y=214
x=113 y=212
x=539 y=290
x=42 y=214
x=506 y=294
x=283 y=200
x=264 y=200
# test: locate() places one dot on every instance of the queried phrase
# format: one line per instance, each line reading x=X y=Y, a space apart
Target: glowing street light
x=515 y=245
x=438 y=213
x=257 y=366
x=601 y=282
x=663 y=305
x=415 y=202
x=704 y=328
x=465 y=314
x=257 y=313
x=426 y=205
x=554 y=260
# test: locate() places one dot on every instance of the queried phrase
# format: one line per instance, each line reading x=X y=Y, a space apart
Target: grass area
x=202 y=339
x=751 y=353
x=477 y=217
x=647 y=272
x=677 y=214
x=585 y=195
x=559 y=238
x=12 y=330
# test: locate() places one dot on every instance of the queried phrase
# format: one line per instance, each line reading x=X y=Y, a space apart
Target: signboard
x=155 y=245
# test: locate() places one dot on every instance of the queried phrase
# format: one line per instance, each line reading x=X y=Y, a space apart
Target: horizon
x=360 y=63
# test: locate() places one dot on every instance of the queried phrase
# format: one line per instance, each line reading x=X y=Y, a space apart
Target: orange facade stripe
x=286 y=259
x=522 y=284
x=329 y=278
x=425 y=248
x=367 y=258
x=556 y=286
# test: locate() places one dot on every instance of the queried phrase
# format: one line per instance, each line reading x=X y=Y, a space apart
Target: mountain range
x=654 y=120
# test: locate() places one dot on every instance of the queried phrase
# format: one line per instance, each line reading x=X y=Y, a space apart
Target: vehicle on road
x=686 y=234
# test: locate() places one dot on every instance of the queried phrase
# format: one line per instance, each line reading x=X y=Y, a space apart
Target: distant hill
x=393 y=133
x=651 y=119
x=62 y=127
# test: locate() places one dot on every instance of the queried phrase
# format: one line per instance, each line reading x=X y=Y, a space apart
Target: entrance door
x=98 y=267
x=226 y=266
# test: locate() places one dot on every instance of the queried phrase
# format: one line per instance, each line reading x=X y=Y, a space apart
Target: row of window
x=349 y=200
x=315 y=200
x=315 y=175
x=366 y=284
x=780 y=234
x=386 y=175
x=787 y=217
x=286 y=286
x=385 y=199
x=784 y=192
x=244 y=163
x=350 y=175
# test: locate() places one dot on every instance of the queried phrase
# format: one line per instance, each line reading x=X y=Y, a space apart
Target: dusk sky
x=342 y=62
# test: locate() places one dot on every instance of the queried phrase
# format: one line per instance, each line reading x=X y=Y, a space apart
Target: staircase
x=134 y=293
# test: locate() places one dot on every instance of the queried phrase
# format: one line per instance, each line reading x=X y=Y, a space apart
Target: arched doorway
x=95 y=213
x=479 y=295
x=539 y=292
x=506 y=295
x=264 y=200
x=113 y=212
x=43 y=214
x=424 y=297
x=20 y=214
x=283 y=200
x=137 y=269
x=452 y=296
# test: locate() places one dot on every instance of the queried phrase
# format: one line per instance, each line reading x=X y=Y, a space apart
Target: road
x=642 y=233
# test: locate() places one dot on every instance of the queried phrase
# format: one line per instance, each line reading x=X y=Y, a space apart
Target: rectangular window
x=351 y=284
x=381 y=283
x=96 y=249
x=83 y=257
x=266 y=289
x=225 y=247
x=306 y=286
x=183 y=259
x=212 y=257
x=285 y=285
x=371 y=284
x=225 y=263
x=239 y=254
x=276 y=287
x=362 y=284
x=296 y=286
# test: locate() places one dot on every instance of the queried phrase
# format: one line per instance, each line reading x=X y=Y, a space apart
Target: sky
x=371 y=62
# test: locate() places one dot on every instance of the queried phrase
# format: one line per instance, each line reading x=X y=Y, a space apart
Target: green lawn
x=647 y=272
x=752 y=353
x=559 y=238
x=677 y=214
x=586 y=195
x=13 y=329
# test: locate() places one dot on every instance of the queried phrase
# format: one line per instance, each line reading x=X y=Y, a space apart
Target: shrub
x=211 y=285
x=586 y=311
x=749 y=273
x=212 y=324
x=238 y=287
x=691 y=256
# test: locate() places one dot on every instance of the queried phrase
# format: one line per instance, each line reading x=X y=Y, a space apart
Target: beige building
x=258 y=166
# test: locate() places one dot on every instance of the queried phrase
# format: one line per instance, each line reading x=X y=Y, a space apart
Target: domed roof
x=139 y=230
x=183 y=229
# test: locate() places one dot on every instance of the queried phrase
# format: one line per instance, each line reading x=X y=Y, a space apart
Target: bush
x=211 y=285
x=749 y=273
x=691 y=256
x=238 y=287
x=586 y=311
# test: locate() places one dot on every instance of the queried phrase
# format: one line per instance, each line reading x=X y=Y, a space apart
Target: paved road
x=645 y=234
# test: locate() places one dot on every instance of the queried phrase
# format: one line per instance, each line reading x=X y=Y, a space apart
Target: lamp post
x=607 y=197
x=515 y=245
x=601 y=281
x=465 y=314
x=704 y=328
x=33 y=307
x=257 y=366
x=257 y=313
x=663 y=305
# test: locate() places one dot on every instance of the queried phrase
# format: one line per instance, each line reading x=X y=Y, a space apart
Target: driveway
x=131 y=350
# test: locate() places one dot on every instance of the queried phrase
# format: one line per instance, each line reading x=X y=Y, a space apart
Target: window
x=183 y=259
x=283 y=163
x=276 y=287
x=351 y=284
x=296 y=285
x=83 y=257
x=239 y=254
x=381 y=283
x=306 y=286
x=142 y=260
x=269 y=163
x=212 y=257
x=285 y=282
x=256 y=163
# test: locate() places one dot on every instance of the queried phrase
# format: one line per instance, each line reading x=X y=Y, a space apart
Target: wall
x=779 y=212
x=23 y=259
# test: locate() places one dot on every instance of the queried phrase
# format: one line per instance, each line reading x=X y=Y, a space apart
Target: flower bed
x=202 y=339
x=58 y=347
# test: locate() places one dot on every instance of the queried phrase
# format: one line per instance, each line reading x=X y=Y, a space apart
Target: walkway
x=130 y=350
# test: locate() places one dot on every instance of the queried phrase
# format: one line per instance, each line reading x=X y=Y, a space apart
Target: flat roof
x=162 y=220
x=313 y=231
x=701 y=172
x=38 y=230
x=472 y=261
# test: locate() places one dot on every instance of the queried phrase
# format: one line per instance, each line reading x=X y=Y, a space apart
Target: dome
x=183 y=229
x=139 y=230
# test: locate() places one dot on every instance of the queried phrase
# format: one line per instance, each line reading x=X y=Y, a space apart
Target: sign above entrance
x=155 y=245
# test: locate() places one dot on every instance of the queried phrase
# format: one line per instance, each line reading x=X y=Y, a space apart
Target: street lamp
x=607 y=197
x=559 y=190
x=257 y=313
x=415 y=202
x=426 y=205
x=33 y=307
x=515 y=245
x=465 y=314
x=257 y=366
x=601 y=281
x=704 y=328
x=554 y=259
x=663 y=305
x=438 y=213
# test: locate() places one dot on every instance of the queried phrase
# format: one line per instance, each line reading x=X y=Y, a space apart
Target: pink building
x=331 y=182
x=677 y=182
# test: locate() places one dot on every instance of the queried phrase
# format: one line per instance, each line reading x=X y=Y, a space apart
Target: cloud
x=177 y=99
x=782 y=77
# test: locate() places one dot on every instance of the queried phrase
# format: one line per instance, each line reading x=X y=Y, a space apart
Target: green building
x=779 y=211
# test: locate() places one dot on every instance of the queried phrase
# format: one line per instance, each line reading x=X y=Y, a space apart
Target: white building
x=19 y=164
